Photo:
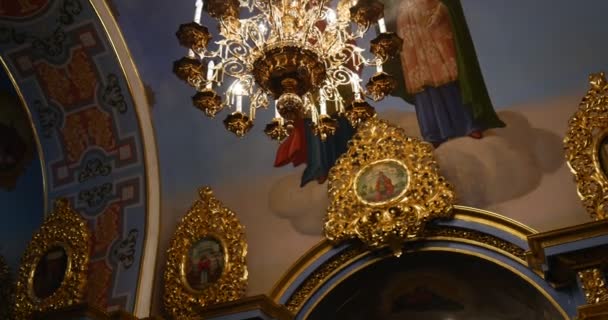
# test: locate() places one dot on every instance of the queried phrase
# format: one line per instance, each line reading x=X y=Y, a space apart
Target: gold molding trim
x=398 y=208
x=456 y=234
x=593 y=284
x=540 y=241
x=63 y=228
x=334 y=285
x=587 y=128
x=290 y=276
x=258 y=302
x=493 y=220
x=206 y=219
x=148 y=264
x=86 y=311
x=454 y=250
x=463 y=213
x=321 y=274
x=598 y=311
x=447 y=233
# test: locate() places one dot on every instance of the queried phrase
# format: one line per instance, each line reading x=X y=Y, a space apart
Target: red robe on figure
x=293 y=149
x=204 y=264
x=384 y=187
x=302 y=146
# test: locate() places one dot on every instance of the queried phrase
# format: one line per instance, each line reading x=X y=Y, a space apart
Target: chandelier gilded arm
x=301 y=56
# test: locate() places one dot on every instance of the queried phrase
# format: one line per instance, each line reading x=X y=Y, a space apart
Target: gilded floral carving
x=63 y=231
x=586 y=147
x=206 y=261
x=385 y=188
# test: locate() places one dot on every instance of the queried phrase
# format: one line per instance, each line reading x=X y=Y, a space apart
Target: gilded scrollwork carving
x=206 y=261
x=345 y=258
x=385 y=188
x=306 y=289
x=593 y=284
x=53 y=270
x=476 y=236
x=587 y=130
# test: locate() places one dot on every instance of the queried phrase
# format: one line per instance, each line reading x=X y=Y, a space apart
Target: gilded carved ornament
x=586 y=148
x=320 y=275
x=385 y=188
x=594 y=285
x=53 y=272
x=206 y=262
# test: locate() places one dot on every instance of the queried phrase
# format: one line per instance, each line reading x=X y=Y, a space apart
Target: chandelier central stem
x=300 y=53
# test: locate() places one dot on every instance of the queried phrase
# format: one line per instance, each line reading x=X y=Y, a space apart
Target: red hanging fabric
x=293 y=149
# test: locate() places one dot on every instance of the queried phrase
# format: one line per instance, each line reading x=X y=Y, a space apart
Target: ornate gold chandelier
x=301 y=54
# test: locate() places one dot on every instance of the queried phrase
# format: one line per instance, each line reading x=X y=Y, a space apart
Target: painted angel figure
x=441 y=74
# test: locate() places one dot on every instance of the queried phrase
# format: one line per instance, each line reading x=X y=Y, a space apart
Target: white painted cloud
x=518 y=171
x=507 y=171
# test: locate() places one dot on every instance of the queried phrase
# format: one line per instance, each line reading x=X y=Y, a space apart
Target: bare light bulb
x=331 y=16
x=262 y=28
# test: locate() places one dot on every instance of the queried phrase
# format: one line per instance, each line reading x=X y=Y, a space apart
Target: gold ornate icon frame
x=63 y=228
x=426 y=195
x=587 y=128
x=208 y=218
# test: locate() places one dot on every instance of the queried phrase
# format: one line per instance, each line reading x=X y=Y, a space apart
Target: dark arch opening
x=434 y=285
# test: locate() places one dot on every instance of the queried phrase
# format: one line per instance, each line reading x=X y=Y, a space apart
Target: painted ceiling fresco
x=533 y=57
x=84 y=115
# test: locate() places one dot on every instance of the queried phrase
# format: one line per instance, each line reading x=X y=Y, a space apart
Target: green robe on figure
x=441 y=75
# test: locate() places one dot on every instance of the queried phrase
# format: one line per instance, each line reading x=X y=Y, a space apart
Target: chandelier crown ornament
x=301 y=54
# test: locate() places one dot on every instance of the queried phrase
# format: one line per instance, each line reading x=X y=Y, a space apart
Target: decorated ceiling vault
x=87 y=106
x=494 y=114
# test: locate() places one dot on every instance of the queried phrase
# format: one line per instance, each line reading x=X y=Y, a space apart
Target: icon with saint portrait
x=205 y=263
x=49 y=272
x=381 y=182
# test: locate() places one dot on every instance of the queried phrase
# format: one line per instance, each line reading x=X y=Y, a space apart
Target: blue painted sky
x=22 y=208
x=528 y=51
x=22 y=213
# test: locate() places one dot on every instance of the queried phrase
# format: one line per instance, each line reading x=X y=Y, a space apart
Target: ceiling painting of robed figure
x=304 y=146
x=437 y=71
x=441 y=75
x=535 y=57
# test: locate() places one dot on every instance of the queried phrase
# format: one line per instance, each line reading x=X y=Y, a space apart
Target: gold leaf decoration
x=62 y=229
x=594 y=285
x=342 y=260
x=385 y=188
x=587 y=129
x=222 y=273
x=455 y=234
x=320 y=275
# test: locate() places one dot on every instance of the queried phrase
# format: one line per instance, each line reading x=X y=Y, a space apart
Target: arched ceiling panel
x=90 y=112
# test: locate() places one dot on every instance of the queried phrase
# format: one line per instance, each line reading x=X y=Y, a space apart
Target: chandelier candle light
x=300 y=54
